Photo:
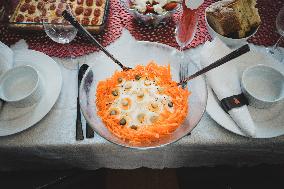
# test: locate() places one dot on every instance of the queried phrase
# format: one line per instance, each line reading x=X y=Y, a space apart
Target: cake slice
x=233 y=18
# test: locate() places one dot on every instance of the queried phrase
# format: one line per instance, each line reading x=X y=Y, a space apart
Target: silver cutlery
x=70 y=18
x=79 y=129
x=89 y=130
x=183 y=72
x=236 y=53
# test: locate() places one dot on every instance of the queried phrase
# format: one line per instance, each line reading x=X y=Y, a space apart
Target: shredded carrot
x=167 y=123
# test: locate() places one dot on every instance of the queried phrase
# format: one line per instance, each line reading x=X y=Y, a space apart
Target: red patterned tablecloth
x=119 y=18
x=41 y=42
x=266 y=35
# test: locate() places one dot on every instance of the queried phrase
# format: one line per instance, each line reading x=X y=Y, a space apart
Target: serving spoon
x=67 y=15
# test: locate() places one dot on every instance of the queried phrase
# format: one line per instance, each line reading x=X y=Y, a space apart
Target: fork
x=183 y=73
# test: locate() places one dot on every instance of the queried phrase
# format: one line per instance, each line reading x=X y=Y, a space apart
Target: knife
x=89 y=130
x=79 y=130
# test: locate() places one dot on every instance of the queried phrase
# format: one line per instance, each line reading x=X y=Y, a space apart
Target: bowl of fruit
x=151 y=12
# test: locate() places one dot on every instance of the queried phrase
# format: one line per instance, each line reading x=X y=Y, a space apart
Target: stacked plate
x=14 y=118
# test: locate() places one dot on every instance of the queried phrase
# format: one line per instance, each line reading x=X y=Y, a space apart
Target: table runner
x=119 y=18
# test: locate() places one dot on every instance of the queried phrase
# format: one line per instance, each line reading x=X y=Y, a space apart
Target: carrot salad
x=163 y=110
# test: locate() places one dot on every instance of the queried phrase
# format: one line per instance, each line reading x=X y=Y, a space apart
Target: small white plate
x=269 y=122
x=14 y=120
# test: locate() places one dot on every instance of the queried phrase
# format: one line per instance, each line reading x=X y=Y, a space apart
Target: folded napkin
x=6 y=60
x=225 y=82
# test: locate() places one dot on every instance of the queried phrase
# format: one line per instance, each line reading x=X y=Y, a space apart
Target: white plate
x=14 y=120
x=269 y=122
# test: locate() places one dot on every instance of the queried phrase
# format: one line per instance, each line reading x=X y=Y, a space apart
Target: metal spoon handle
x=70 y=18
x=236 y=53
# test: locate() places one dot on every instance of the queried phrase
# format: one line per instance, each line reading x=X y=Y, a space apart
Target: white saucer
x=14 y=120
x=269 y=122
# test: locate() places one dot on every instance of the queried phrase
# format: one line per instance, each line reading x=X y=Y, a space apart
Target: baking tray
x=14 y=7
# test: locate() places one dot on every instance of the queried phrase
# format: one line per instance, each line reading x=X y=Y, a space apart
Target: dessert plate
x=268 y=122
x=14 y=120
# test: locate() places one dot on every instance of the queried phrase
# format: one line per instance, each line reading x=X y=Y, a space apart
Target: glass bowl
x=163 y=55
x=149 y=18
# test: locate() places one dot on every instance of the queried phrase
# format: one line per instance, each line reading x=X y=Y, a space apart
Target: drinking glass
x=186 y=28
x=275 y=51
x=60 y=30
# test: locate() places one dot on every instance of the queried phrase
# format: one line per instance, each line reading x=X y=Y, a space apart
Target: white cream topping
x=144 y=108
x=158 y=9
x=140 y=5
x=193 y=4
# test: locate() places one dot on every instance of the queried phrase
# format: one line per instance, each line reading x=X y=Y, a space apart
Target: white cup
x=263 y=86
x=20 y=86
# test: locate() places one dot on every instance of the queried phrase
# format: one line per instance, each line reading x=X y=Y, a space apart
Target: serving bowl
x=231 y=42
x=162 y=55
x=149 y=18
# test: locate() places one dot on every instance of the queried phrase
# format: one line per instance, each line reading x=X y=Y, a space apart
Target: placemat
x=267 y=34
x=164 y=33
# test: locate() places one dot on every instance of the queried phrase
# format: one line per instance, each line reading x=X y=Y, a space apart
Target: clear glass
x=61 y=31
x=145 y=51
x=149 y=18
x=275 y=51
x=186 y=28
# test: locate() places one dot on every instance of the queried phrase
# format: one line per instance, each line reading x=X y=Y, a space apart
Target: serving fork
x=67 y=15
x=234 y=54
x=183 y=73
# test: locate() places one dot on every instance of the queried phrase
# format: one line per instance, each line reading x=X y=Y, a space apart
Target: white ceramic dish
x=233 y=43
x=268 y=122
x=263 y=86
x=103 y=68
x=20 y=86
x=14 y=120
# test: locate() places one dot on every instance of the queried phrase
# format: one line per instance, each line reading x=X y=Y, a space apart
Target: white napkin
x=6 y=60
x=225 y=82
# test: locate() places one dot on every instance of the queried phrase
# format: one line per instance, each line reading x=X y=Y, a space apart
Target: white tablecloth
x=51 y=143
